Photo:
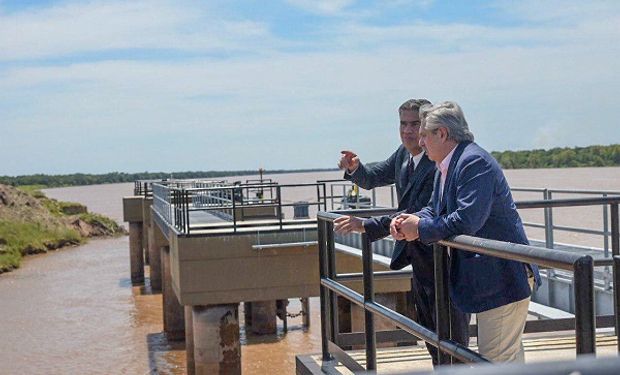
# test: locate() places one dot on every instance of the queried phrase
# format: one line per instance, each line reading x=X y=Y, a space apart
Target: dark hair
x=412 y=105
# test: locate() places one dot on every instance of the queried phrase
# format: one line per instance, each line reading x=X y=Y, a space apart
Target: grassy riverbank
x=31 y=223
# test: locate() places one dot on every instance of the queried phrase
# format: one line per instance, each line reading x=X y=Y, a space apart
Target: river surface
x=75 y=311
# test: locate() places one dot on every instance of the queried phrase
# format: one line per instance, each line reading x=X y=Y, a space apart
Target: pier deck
x=539 y=347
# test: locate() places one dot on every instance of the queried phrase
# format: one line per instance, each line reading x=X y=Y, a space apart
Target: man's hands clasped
x=405 y=227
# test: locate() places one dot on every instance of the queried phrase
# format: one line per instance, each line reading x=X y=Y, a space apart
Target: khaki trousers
x=500 y=331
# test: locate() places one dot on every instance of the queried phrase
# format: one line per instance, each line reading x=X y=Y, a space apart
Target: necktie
x=410 y=167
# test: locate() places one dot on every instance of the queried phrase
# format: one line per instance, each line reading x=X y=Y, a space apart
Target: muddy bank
x=31 y=223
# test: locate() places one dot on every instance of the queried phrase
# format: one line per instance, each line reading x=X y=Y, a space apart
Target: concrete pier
x=136 y=253
x=264 y=317
x=156 y=241
x=189 y=340
x=217 y=348
x=155 y=261
x=174 y=313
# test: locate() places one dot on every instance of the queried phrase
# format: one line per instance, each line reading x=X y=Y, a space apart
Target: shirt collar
x=416 y=159
x=445 y=163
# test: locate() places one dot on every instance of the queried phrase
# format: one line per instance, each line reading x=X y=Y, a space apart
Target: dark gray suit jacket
x=412 y=194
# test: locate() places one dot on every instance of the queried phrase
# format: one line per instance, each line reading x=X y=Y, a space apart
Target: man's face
x=431 y=142
x=410 y=130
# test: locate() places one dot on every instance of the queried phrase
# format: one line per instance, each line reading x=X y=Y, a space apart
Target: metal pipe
x=369 y=296
x=572 y=202
x=323 y=292
x=615 y=231
x=331 y=274
x=523 y=253
x=616 y=269
x=279 y=193
x=382 y=275
x=442 y=301
x=585 y=327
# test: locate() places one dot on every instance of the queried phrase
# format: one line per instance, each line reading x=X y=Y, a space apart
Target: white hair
x=448 y=115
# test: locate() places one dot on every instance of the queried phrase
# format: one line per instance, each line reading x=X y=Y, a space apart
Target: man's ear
x=443 y=134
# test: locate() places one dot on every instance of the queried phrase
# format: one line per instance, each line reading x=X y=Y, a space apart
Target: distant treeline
x=115 y=177
x=591 y=156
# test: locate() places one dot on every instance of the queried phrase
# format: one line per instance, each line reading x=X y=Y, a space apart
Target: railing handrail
x=581 y=265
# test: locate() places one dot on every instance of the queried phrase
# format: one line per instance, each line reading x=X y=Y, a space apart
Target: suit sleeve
x=380 y=174
x=379 y=226
x=475 y=183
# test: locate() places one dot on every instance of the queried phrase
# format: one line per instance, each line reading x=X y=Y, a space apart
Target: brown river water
x=74 y=311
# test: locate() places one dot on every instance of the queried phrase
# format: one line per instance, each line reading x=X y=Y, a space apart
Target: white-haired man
x=471 y=196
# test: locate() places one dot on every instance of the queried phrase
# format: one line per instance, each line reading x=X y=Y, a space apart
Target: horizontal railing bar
x=378 y=275
x=357 y=338
x=597 y=192
x=344 y=358
x=523 y=253
x=404 y=322
x=332 y=215
x=570 y=202
x=455 y=349
x=342 y=290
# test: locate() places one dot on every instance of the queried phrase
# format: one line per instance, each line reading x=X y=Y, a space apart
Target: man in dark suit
x=412 y=173
x=471 y=196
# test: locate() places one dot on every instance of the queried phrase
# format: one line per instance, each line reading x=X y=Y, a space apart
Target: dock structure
x=214 y=245
x=556 y=335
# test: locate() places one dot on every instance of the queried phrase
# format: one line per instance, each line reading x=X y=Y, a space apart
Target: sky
x=157 y=85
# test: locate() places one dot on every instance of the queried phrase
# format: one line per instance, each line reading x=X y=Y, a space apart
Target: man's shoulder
x=472 y=152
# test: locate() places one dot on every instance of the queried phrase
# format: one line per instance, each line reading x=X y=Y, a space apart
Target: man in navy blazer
x=412 y=173
x=471 y=196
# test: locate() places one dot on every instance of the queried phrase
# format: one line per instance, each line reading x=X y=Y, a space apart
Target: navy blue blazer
x=477 y=201
x=413 y=193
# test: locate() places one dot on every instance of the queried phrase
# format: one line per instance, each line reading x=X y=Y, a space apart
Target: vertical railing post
x=374 y=198
x=585 y=326
x=606 y=275
x=279 y=193
x=369 y=296
x=615 y=231
x=186 y=199
x=323 y=290
x=325 y=197
x=331 y=274
x=234 y=210
x=548 y=230
x=616 y=268
x=442 y=302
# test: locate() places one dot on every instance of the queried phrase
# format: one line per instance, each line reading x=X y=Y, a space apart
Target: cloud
x=243 y=96
x=94 y=27
x=322 y=7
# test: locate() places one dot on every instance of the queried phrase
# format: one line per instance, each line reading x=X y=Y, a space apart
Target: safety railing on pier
x=582 y=266
x=345 y=195
x=145 y=187
x=181 y=207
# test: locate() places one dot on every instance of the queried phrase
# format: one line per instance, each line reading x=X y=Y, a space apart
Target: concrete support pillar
x=264 y=317
x=145 y=242
x=189 y=340
x=305 y=310
x=247 y=314
x=174 y=313
x=136 y=256
x=217 y=349
x=155 y=261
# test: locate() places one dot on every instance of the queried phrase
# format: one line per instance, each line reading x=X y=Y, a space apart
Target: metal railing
x=145 y=187
x=331 y=286
x=178 y=206
x=338 y=197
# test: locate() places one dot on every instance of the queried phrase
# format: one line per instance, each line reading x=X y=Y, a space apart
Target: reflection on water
x=75 y=311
